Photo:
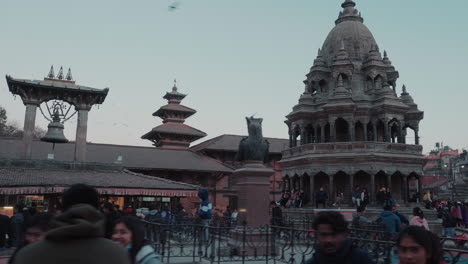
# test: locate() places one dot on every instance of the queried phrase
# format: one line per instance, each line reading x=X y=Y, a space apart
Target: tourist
x=391 y=222
x=365 y=197
x=448 y=223
x=111 y=216
x=404 y=221
x=153 y=215
x=321 y=197
x=205 y=212
x=356 y=196
x=418 y=218
x=381 y=196
x=333 y=246
x=389 y=198
x=78 y=236
x=427 y=199
x=130 y=234
x=234 y=215
x=455 y=211
x=276 y=214
x=416 y=245
x=35 y=230
x=303 y=198
x=358 y=218
x=4 y=227
x=17 y=226
x=338 y=198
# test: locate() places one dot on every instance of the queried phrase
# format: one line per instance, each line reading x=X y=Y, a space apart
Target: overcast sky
x=233 y=58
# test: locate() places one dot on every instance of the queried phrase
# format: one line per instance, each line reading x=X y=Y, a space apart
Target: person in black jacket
x=4 y=226
x=321 y=197
x=331 y=230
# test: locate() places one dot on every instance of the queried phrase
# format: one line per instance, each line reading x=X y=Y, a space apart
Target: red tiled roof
x=449 y=152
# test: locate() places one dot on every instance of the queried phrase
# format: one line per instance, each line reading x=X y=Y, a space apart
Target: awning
x=104 y=191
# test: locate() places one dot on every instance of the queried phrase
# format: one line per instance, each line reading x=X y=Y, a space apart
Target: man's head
x=80 y=194
x=331 y=229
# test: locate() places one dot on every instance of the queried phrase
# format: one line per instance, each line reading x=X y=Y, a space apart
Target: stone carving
x=254 y=147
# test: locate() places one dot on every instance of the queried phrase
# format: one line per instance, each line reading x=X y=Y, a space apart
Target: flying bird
x=172 y=7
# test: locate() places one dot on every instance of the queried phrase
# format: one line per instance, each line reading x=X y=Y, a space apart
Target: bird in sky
x=172 y=7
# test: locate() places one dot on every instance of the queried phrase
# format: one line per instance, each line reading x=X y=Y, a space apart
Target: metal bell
x=55 y=131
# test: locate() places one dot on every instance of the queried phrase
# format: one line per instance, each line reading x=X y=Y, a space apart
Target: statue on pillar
x=254 y=147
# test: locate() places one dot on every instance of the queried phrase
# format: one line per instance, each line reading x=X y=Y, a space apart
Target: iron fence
x=189 y=241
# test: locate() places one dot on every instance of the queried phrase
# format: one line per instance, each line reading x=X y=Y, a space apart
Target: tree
x=12 y=129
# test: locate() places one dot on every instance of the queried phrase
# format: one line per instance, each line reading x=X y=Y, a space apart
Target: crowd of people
x=80 y=230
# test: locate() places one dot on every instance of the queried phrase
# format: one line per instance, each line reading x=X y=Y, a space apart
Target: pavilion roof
x=231 y=143
x=177 y=108
x=55 y=84
x=176 y=129
x=40 y=177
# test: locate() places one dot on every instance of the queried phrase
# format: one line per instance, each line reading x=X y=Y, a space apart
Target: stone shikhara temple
x=350 y=125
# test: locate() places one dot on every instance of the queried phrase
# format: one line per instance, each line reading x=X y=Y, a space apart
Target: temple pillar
x=389 y=182
x=374 y=128
x=332 y=131
x=315 y=138
x=386 y=132
x=372 y=190
x=420 y=188
x=28 y=129
x=303 y=136
x=405 y=188
x=331 y=188
x=81 y=134
x=365 y=132
x=312 y=189
x=290 y=139
x=351 y=184
x=322 y=133
x=352 y=135
x=416 y=136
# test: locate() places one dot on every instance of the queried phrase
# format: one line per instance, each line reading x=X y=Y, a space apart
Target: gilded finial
x=174 y=88
x=60 y=74
x=69 y=75
x=51 y=74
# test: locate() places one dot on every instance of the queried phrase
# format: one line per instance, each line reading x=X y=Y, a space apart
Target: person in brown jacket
x=78 y=236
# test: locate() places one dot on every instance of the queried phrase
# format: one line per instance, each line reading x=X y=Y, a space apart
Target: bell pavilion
x=350 y=125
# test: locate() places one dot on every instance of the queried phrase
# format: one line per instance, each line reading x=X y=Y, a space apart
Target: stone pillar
x=351 y=184
x=253 y=187
x=322 y=133
x=290 y=139
x=332 y=132
x=312 y=189
x=303 y=136
x=365 y=132
x=81 y=133
x=372 y=191
x=389 y=181
x=405 y=188
x=420 y=188
x=386 y=132
x=352 y=134
x=374 y=128
x=315 y=138
x=416 y=136
x=28 y=129
x=331 y=188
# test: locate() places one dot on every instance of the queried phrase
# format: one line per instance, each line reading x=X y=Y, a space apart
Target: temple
x=350 y=126
x=173 y=133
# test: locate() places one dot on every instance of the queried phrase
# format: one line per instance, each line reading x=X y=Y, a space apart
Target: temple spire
x=404 y=90
x=51 y=74
x=174 y=88
x=349 y=12
x=60 y=74
x=69 y=75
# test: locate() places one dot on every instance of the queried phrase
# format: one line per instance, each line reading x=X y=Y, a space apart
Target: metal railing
x=189 y=241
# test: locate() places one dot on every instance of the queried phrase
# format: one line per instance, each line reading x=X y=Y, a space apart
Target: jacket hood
x=386 y=213
x=80 y=221
x=203 y=194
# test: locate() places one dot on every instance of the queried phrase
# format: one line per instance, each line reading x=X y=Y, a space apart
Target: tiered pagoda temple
x=350 y=126
x=173 y=133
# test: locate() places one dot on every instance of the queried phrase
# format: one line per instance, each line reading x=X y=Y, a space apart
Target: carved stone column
x=28 y=129
x=374 y=128
x=389 y=181
x=331 y=188
x=315 y=138
x=351 y=184
x=372 y=191
x=386 y=131
x=416 y=136
x=365 y=132
x=332 y=131
x=312 y=189
x=322 y=133
x=405 y=188
x=81 y=134
x=352 y=134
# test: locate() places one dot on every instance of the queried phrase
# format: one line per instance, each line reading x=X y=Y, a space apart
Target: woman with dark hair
x=418 y=218
x=416 y=245
x=130 y=234
x=35 y=227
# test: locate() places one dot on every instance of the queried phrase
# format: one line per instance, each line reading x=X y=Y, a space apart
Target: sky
x=233 y=58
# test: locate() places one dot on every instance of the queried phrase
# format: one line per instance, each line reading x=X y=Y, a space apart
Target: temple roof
x=131 y=157
x=51 y=84
x=175 y=107
x=176 y=129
